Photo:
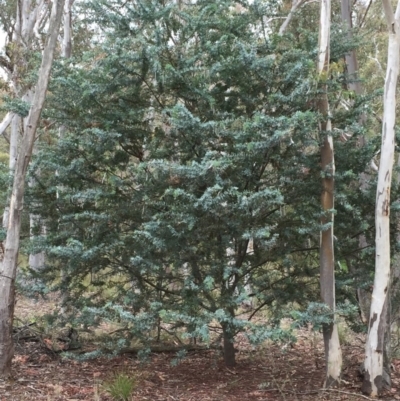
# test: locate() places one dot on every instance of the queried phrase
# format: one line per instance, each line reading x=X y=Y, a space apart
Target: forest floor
x=265 y=373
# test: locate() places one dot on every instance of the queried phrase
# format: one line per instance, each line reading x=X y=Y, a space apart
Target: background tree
x=11 y=248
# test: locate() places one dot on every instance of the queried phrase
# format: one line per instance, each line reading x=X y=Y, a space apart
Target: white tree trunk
x=66 y=50
x=6 y=122
x=333 y=354
x=29 y=15
x=374 y=348
x=14 y=136
x=8 y=267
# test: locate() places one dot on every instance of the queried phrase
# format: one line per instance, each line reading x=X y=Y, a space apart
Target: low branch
x=154 y=349
x=296 y=4
x=365 y=14
x=6 y=64
x=6 y=122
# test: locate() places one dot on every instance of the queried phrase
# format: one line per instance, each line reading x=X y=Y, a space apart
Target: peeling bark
x=374 y=349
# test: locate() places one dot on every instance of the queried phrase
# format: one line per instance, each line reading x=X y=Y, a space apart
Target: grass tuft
x=120 y=387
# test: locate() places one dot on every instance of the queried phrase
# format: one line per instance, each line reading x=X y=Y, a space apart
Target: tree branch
x=295 y=5
x=6 y=122
x=5 y=64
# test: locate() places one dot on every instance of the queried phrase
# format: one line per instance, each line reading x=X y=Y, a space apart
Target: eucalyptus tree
x=24 y=38
x=333 y=353
x=13 y=227
x=374 y=350
x=23 y=31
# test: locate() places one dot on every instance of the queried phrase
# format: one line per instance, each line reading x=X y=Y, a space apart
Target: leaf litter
x=262 y=374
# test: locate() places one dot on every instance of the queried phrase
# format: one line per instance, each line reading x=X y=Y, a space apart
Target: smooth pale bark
x=9 y=265
x=6 y=122
x=36 y=261
x=374 y=348
x=30 y=18
x=66 y=51
x=333 y=354
x=14 y=135
x=28 y=14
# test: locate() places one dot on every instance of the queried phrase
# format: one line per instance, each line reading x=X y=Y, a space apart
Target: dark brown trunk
x=229 y=348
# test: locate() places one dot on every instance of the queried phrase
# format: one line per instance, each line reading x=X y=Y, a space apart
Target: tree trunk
x=333 y=354
x=30 y=16
x=9 y=265
x=351 y=58
x=229 y=347
x=14 y=135
x=374 y=349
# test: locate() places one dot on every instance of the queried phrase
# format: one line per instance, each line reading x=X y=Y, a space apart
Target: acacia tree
x=185 y=159
x=333 y=353
x=374 y=348
x=200 y=177
x=9 y=263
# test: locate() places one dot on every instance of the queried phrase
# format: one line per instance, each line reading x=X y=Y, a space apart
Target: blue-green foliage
x=190 y=133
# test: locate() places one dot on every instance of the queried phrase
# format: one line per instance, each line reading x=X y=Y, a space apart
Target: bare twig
x=347 y=393
x=365 y=14
x=330 y=390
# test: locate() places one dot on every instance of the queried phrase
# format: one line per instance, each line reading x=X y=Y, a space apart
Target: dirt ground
x=265 y=373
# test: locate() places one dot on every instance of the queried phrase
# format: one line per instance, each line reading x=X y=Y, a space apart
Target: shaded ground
x=269 y=373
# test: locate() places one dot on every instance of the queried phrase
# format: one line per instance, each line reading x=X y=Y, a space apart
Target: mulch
x=264 y=373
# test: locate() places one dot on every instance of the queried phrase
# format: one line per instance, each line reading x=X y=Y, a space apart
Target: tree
x=374 y=350
x=333 y=355
x=24 y=40
x=170 y=168
x=11 y=248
